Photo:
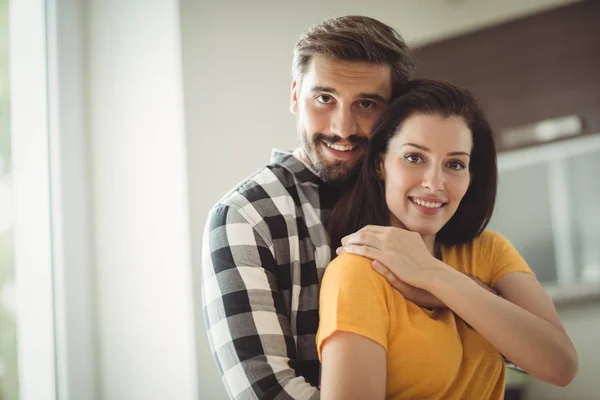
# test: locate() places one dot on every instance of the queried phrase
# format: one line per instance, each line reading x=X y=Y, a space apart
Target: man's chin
x=335 y=176
x=333 y=171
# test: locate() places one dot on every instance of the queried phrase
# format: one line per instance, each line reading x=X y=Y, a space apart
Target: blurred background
x=122 y=123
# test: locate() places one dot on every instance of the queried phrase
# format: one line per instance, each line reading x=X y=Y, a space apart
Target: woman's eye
x=413 y=158
x=456 y=165
x=324 y=99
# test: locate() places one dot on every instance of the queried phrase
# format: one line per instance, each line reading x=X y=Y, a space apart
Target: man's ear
x=294 y=98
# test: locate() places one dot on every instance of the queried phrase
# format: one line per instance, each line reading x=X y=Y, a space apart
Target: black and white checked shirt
x=264 y=254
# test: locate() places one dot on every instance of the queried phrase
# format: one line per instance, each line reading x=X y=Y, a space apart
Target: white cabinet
x=548 y=206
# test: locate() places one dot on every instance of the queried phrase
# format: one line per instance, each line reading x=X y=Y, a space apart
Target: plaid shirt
x=264 y=254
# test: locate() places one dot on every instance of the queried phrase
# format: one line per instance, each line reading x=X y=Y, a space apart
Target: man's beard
x=336 y=172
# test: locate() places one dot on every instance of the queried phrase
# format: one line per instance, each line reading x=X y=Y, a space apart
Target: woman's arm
x=353 y=367
x=522 y=325
x=353 y=330
x=420 y=297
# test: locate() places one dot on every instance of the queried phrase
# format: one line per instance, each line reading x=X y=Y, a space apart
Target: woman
x=428 y=181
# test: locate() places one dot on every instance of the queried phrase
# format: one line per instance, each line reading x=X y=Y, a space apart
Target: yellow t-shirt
x=431 y=354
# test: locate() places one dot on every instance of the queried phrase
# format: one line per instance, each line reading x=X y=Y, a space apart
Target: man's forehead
x=340 y=76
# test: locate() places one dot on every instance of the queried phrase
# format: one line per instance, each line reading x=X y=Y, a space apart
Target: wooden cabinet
x=536 y=68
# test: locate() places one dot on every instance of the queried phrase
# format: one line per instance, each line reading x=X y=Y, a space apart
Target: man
x=265 y=246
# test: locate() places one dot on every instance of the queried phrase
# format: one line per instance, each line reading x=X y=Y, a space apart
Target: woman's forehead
x=434 y=132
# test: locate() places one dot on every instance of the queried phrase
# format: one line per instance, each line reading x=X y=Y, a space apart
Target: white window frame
x=74 y=312
x=55 y=333
x=31 y=183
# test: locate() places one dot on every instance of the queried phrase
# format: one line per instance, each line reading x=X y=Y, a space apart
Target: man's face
x=337 y=103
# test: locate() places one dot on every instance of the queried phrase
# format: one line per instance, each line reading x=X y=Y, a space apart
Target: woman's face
x=426 y=171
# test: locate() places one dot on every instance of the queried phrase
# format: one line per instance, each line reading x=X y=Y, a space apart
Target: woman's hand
x=420 y=297
x=402 y=252
x=371 y=242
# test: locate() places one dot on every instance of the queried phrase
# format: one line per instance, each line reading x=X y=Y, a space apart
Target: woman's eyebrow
x=453 y=153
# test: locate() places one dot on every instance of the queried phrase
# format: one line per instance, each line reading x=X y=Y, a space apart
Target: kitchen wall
x=582 y=322
x=138 y=195
x=236 y=74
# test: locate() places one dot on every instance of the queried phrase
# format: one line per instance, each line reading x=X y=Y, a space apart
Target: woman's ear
x=381 y=169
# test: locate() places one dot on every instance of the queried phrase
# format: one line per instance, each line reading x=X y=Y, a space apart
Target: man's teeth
x=427 y=203
x=339 y=147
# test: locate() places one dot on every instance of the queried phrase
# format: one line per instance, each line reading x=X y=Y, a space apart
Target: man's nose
x=344 y=123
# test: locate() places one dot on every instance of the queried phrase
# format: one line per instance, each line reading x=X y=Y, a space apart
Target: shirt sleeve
x=248 y=329
x=504 y=257
x=353 y=298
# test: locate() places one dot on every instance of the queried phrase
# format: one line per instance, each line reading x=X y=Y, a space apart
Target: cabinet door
x=535 y=68
x=584 y=198
x=523 y=215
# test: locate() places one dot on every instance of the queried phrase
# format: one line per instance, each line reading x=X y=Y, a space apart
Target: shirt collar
x=291 y=161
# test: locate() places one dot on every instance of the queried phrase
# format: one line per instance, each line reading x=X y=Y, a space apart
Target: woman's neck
x=429 y=241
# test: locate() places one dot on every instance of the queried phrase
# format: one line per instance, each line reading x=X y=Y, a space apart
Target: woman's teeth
x=426 y=203
x=338 y=147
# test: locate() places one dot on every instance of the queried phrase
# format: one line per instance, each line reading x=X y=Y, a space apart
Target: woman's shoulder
x=353 y=267
x=487 y=239
x=490 y=238
x=483 y=247
x=350 y=259
x=349 y=262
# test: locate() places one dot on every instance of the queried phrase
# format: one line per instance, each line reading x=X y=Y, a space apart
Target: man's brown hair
x=355 y=38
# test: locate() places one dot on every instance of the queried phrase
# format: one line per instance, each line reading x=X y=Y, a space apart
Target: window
x=30 y=176
x=9 y=388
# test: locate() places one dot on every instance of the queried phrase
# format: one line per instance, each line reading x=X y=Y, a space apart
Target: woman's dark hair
x=363 y=202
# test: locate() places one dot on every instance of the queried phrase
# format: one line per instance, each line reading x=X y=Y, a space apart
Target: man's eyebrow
x=372 y=96
x=325 y=89
x=367 y=96
x=454 y=153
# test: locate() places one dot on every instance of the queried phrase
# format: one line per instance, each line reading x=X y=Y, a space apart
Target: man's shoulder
x=269 y=181
x=272 y=190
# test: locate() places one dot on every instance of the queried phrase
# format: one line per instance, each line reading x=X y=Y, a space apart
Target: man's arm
x=248 y=329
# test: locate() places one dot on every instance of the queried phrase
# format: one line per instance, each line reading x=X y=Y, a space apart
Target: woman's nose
x=433 y=179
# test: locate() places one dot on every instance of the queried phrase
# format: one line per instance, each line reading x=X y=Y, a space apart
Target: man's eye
x=324 y=98
x=367 y=104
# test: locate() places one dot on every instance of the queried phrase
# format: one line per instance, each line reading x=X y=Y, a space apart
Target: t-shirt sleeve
x=504 y=257
x=353 y=298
